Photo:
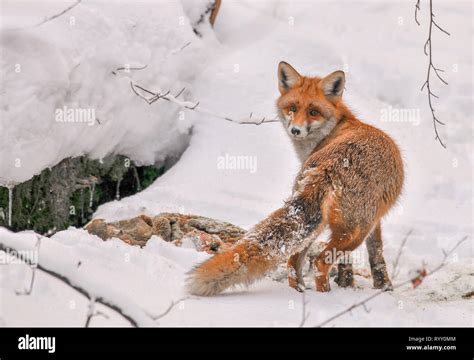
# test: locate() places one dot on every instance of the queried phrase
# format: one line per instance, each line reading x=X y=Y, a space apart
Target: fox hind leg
x=378 y=267
x=342 y=240
x=345 y=273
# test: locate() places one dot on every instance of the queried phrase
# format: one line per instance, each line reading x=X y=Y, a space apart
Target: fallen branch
x=192 y=105
x=99 y=299
x=92 y=312
x=428 y=52
x=418 y=280
x=167 y=96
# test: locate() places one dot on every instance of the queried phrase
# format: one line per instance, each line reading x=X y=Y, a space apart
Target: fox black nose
x=295 y=131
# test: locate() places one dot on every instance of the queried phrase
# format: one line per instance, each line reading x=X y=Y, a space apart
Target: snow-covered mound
x=380 y=47
x=60 y=97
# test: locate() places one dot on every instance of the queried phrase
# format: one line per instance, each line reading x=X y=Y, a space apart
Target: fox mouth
x=298 y=138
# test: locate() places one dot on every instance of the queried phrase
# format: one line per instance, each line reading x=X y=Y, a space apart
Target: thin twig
x=33 y=270
x=192 y=105
x=363 y=303
x=50 y=18
x=174 y=52
x=304 y=313
x=428 y=52
x=170 y=307
x=399 y=254
x=91 y=312
x=127 y=69
x=417 y=8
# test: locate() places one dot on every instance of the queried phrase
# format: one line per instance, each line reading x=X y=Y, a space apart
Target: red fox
x=351 y=175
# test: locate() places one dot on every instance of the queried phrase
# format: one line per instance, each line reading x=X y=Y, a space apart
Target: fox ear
x=287 y=77
x=333 y=85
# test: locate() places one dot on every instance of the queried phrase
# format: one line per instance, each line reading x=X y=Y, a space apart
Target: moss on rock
x=69 y=193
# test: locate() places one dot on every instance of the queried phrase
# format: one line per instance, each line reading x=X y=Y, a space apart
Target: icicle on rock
x=82 y=204
x=117 y=190
x=91 y=198
x=137 y=178
x=10 y=204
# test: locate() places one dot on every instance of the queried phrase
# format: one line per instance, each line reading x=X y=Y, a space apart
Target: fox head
x=309 y=107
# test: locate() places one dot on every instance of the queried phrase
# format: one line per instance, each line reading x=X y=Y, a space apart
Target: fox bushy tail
x=259 y=251
x=243 y=264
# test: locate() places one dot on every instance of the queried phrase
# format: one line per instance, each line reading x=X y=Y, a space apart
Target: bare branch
x=174 y=52
x=439 y=76
x=137 y=93
x=446 y=255
x=304 y=312
x=440 y=28
x=155 y=96
x=417 y=8
x=367 y=310
x=424 y=273
x=180 y=92
x=142 y=88
x=57 y=15
x=106 y=302
x=91 y=312
x=424 y=84
x=93 y=300
x=170 y=307
x=399 y=254
x=427 y=48
x=127 y=69
x=33 y=271
x=192 y=105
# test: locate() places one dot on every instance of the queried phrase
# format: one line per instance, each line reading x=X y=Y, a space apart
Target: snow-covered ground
x=232 y=71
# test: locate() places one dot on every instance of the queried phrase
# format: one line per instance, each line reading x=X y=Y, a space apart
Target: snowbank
x=60 y=97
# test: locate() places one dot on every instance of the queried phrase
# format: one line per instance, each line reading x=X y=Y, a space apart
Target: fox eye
x=313 y=112
x=293 y=108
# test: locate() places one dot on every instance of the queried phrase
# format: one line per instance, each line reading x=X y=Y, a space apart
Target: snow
x=232 y=71
x=46 y=68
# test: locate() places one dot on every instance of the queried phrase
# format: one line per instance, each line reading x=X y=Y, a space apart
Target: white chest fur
x=304 y=147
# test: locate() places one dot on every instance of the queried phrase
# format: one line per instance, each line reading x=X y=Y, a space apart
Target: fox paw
x=345 y=279
x=297 y=285
x=300 y=287
x=322 y=284
x=382 y=281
